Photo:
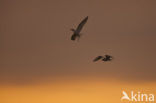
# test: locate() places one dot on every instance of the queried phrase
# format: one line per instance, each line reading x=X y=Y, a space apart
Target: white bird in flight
x=76 y=33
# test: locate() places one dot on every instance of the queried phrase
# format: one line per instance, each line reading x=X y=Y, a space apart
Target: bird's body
x=107 y=58
x=76 y=33
x=103 y=58
x=74 y=36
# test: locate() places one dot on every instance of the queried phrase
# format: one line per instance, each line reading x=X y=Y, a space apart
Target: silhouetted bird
x=107 y=58
x=78 y=29
x=103 y=58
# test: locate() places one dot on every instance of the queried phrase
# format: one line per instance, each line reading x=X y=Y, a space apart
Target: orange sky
x=73 y=91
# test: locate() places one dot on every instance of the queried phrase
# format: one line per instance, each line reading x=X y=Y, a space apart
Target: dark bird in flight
x=103 y=58
x=76 y=33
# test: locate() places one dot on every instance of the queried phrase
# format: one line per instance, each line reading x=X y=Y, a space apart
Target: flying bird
x=76 y=33
x=103 y=58
x=107 y=58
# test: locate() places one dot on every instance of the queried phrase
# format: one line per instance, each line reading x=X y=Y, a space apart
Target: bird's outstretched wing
x=97 y=58
x=80 y=26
